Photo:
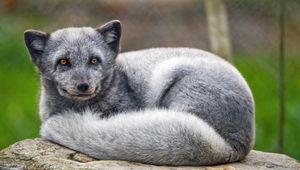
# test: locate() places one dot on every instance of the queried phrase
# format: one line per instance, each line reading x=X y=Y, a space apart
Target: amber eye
x=94 y=61
x=63 y=61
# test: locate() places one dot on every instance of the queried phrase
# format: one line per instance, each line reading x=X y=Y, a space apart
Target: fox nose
x=83 y=87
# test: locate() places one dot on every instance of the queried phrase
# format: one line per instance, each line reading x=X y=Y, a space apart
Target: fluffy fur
x=163 y=106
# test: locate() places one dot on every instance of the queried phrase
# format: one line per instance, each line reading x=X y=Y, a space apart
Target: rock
x=40 y=154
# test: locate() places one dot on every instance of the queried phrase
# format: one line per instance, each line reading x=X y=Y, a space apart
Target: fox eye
x=64 y=62
x=94 y=60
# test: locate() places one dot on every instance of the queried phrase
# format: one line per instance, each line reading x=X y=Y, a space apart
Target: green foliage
x=19 y=88
x=261 y=73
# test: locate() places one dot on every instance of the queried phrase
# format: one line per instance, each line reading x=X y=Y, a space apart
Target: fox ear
x=35 y=42
x=111 y=32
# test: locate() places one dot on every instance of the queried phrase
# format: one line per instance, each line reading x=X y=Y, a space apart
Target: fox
x=162 y=106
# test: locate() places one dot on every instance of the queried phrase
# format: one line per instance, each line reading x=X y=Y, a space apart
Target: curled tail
x=160 y=137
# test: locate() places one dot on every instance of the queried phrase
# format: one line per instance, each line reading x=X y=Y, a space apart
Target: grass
x=20 y=86
x=261 y=74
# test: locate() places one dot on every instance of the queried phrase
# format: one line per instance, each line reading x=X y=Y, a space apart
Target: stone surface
x=40 y=154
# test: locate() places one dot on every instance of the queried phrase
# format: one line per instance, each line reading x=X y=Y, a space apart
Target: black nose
x=83 y=87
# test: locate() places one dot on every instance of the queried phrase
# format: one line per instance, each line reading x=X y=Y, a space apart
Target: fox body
x=163 y=106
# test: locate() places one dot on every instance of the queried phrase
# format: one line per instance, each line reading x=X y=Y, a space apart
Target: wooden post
x=218 y=27
x=281 y=22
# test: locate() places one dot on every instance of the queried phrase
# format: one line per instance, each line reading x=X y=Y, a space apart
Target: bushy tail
x=159 y=137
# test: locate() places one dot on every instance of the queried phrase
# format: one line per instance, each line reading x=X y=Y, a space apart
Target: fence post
x=218 y=28
x=281 y=23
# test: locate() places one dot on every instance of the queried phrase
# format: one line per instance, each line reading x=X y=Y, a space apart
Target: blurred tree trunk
x=218 y=28
x=9 y=5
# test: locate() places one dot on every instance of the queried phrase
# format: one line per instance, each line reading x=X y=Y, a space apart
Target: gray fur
x=163 y=106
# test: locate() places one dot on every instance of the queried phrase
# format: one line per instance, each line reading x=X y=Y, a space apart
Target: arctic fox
x=162 y=106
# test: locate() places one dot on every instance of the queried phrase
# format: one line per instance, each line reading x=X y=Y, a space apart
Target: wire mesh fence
x=254 y=37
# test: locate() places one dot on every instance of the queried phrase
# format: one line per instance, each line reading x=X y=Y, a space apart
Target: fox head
x=76 y=60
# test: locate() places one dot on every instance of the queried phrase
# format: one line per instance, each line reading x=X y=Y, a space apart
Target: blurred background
x=251 y=41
